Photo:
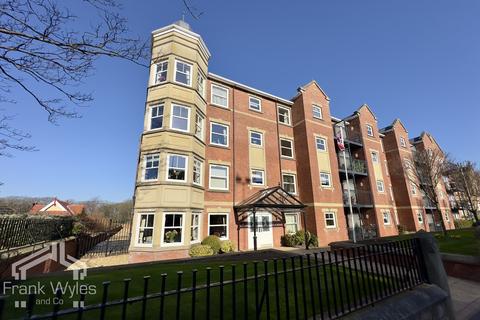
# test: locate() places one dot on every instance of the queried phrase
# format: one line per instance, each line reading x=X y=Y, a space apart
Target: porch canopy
x=275 y=200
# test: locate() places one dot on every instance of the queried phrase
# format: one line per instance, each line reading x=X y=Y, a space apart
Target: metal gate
x=110 y=237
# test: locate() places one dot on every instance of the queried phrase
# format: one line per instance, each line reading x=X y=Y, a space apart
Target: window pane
x=256 y=138
x=219 y=231
x=218 y=183
x=145 y=236
x=286 y=148
x=183 y=73
x=218 y=219
x=218 y=171
x=219 y=96
x=257 y=177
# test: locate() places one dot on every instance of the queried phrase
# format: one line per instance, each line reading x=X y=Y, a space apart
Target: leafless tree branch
x=41 y=46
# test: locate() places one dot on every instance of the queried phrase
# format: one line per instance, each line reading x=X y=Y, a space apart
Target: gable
x=365 y=108
x=313 y=85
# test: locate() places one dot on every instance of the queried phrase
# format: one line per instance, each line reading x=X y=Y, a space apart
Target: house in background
x=57 y=208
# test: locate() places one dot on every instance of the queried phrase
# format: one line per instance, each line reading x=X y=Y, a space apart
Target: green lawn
x=292 y=287
x=459 y=241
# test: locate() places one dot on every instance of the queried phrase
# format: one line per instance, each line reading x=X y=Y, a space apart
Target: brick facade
x=175 y=208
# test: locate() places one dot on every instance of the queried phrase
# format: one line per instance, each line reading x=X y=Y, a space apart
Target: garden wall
x=424 y=302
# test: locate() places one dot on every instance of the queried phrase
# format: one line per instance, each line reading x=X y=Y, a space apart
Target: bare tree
x=465 y=182
x=43 y=47
x=426 y=172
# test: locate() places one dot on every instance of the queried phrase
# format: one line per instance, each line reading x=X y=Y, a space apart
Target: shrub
x=214 y=242
x=78 y=228
x=298 y=239
x=460 y=224
x=226 y=246
x=200 y=250
x=288 y=240
x=312 y=239
x=477 y=232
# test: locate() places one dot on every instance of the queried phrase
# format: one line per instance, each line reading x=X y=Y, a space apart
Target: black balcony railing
x=349 y=135
x=427 y=203
x=361 y=198
x=353 y=136
x=353 y=166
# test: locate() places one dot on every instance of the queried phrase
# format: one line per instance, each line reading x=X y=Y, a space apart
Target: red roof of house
x=70 y=209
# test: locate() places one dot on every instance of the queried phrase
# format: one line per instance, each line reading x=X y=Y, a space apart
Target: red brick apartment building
x=210 y=143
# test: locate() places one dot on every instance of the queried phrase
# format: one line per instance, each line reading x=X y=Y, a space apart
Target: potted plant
x=170 y=236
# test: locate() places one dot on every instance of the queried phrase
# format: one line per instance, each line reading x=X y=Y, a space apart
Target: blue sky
x=416 y=60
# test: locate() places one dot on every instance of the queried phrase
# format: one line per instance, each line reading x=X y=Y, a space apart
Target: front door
x=264 y=230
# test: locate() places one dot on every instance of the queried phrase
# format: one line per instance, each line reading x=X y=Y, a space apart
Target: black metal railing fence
x=322 y=285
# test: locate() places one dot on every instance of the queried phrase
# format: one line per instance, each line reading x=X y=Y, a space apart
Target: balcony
x=360 y=198
x=351 y=137
x=428 y=204
x=353 y=166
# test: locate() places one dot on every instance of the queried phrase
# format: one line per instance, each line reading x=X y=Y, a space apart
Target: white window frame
x=386 y=214
x=334 y=218
x=250 y=98
x=210 y=177
x=420 y=216
x=168 y=167
x=211 y=95
x=291 y=146
x=227 y=137
x=176 y=70
x=201 y=85
x=172 y=116
x=250 y=138
x=297 y=220
x=319 y=111
x=262 y=174
x=182 y=237
x=145 y=166
x=199 y=214
x=215 y=225
x=376 y=158
x=329 y=175
x=324 y=144
x=156 y=71
x=195 y=160
x=447 y=216
x=403 y=143
x=369 y=130
x=202 y=126
x=139 y=219
x=381 y=184
x=152 y=117
x=294 y=181
x=289 y=117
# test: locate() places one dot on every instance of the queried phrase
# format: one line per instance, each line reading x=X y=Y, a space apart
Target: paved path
x=466 y=298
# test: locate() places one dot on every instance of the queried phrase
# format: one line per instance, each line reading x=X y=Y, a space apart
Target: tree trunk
x=442 y=222
x=475 y=215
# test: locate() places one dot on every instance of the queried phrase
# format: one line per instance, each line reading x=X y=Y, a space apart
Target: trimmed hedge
x=226 y=246
x=200 y=250
x=213 y=242
x=460 y=224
